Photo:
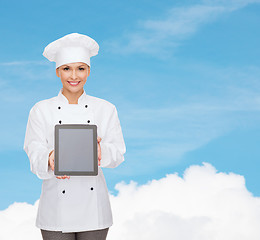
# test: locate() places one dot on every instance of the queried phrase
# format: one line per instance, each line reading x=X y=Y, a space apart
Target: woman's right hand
x=51 y=164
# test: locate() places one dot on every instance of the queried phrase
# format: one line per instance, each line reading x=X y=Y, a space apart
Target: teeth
x=74 y=83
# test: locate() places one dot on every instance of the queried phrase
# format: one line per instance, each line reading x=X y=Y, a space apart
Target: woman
x=75 y=207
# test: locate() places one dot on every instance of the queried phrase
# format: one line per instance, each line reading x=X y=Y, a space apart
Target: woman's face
x=73 y=76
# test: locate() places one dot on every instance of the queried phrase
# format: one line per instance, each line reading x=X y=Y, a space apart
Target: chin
x=78 y=89
x=73 y=89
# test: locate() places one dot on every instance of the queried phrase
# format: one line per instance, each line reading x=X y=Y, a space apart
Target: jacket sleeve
x=35 y=145
x=112 y=144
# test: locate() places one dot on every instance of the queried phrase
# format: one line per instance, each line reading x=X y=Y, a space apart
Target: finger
x=52 y=167
x=51 y=163
x=60 y=177
x=65 y=176
x=99 y=152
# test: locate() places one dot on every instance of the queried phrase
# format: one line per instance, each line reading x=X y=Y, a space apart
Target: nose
x=73 y=74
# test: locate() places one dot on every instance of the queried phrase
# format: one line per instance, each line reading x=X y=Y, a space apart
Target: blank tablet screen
x=75 y=149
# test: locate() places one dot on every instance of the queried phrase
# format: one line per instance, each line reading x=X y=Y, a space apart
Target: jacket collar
x=63 y=99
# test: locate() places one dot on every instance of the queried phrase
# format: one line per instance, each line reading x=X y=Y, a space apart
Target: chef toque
x=71 y=48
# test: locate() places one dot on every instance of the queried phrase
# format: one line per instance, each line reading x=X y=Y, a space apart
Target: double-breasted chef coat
x=80 y=203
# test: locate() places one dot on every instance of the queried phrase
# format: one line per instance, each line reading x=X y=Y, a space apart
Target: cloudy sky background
x=203 y=204
x=184 y=76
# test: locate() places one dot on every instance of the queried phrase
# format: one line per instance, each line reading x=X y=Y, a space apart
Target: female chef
x=75 y=207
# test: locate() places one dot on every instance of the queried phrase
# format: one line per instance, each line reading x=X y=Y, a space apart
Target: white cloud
x=161 y=37
x=230 y=4
x=18 y=222
x=203 y=204
x=22 y=63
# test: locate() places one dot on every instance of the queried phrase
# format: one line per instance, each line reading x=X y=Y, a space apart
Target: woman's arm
x=112 y=144
x=35 y=145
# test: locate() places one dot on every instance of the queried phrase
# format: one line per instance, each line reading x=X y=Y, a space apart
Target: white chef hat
x=71 y=48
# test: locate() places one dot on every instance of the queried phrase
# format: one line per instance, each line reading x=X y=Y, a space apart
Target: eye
x=81 y=68
x=66 y=68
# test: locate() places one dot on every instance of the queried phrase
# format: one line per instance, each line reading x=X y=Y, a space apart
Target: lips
x=73 y=83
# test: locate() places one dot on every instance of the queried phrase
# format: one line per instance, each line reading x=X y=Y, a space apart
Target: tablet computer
x=75 y=150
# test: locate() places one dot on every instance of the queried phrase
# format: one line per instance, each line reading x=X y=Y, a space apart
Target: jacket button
x=63 y=191
x=88 y=121
x=59 y=107
x=92 y=189
x=60 y=121
x=86 y=106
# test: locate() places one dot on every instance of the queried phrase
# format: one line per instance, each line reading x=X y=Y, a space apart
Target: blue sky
x=184 y=76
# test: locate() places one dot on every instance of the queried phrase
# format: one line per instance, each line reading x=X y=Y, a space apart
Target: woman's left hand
x=99 y=150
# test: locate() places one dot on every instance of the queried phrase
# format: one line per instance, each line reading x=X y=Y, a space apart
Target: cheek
x=64 y=76
x=83 y=76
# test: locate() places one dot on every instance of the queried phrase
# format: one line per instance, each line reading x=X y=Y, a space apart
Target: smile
x=74 y=83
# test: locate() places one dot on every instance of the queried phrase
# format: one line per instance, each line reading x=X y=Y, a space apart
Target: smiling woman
x=73 y=207
x=73 y=77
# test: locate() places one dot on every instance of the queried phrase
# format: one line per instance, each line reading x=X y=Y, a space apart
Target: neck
x=72 y=96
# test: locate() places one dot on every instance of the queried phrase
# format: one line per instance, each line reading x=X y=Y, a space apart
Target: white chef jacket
x=80 y=203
